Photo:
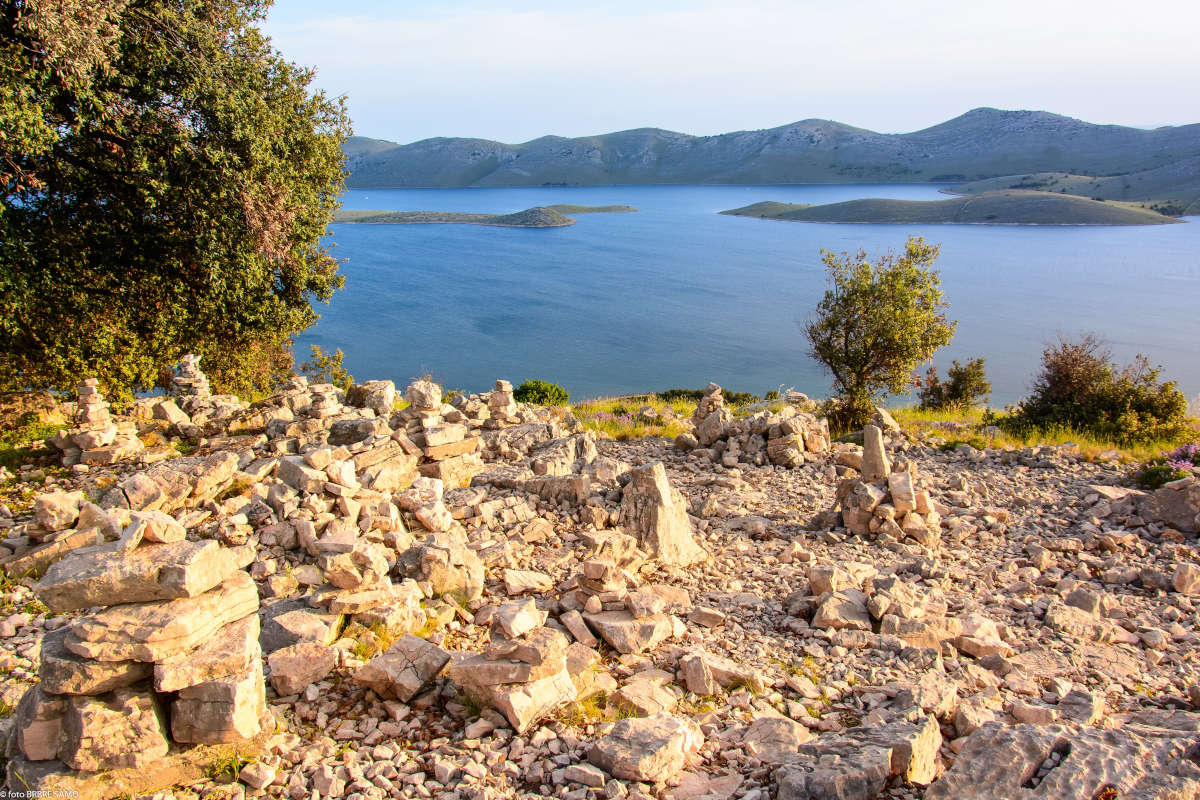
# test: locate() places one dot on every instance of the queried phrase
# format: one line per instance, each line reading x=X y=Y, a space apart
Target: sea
x=677 y=295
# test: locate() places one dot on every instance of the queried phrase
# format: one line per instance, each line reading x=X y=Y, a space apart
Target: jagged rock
x=523 y=704
x=37 y=724
x=424 y=395
x=845 y=609
x=449 y=566
x=875 y=463
x=150 y=572
x=226 y=709
x=518 y=617
x=56 y=511
x=122 y=729
x=652 y=749
x=847 y=773
x=63 y=672
x=295 y=668
x=34 y=563
x=627 y=634
x=232 y=649
x=775 y=740
x=655 y=512
x=286 y=628
x=1057 y=762
x=404 y=669
x=522 y=581
x=156 y=631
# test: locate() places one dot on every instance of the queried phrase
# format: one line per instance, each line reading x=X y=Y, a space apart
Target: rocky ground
x=764 y=615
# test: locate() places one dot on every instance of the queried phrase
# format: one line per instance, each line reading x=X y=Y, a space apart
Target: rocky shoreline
x=480 y=599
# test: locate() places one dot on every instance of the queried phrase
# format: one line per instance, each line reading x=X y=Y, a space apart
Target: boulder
x=655 y=512
x=231 y=650
x=404 y=670
x=653 y=749
x=523 y=704
x=628 y=634
x=295 y=668
x=875 y=463
x=121 y=729
x=226 y=709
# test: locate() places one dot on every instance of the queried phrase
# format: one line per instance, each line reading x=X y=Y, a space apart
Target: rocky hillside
x=983 y=143
x=320 y=596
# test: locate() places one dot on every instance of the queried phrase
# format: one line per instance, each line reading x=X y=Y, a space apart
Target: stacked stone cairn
x=788 y=437
x=523 y=673
x=447 y=453
x=502 y=407
x=190 y=384
x=167 y=656
x=884 y=501
x=95 y=439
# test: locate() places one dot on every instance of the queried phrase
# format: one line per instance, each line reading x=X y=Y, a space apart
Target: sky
x=516 y=71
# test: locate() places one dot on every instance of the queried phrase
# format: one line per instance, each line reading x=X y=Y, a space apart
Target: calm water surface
x=676 y=295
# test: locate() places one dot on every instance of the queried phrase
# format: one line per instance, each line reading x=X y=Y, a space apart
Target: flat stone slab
x=161 y=630
x=231 y=650
x=64 y=672
x=1136 y=761
x=104 y=576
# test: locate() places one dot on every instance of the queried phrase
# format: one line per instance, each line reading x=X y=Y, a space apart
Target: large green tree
x=167 y=177
x=876 y=323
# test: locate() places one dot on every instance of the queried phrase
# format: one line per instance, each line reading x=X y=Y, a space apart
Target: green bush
x=541 y=393
x=1081 y=388
x=966 y=386
x=695 y=395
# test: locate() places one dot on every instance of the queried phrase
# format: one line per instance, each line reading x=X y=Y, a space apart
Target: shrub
x=875 y=324
x=327 y=368
x=966 y=386
x=541 y=393
x=1081 y=388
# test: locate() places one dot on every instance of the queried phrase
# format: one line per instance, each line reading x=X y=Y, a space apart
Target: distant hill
x=990 y=208
x=984 y=143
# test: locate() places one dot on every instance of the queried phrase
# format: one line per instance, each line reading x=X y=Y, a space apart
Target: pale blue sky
x=515 y=71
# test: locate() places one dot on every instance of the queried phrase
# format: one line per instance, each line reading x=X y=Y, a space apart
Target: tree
x=167 y=177
x=876 y=323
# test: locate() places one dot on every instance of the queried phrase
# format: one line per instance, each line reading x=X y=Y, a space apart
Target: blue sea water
x=677 y=295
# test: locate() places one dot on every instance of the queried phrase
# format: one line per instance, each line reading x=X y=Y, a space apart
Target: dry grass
x=974 y=432
x=622 y=417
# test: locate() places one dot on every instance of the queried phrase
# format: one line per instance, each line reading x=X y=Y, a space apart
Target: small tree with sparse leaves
x=877 y=321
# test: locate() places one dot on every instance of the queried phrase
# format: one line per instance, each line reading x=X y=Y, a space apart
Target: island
x=1013 y=207
x=536 y=217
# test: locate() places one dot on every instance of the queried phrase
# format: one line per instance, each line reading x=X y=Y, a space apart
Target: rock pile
x=447 y=452
x=190 y=384
x=95 y=439
x=168 y=652
x=523 y=673
x=788 y=437
x=885 y=502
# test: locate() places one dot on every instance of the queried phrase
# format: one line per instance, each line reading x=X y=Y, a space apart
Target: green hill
x=1173 y=189
x=990 y=208
x=536 y=217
